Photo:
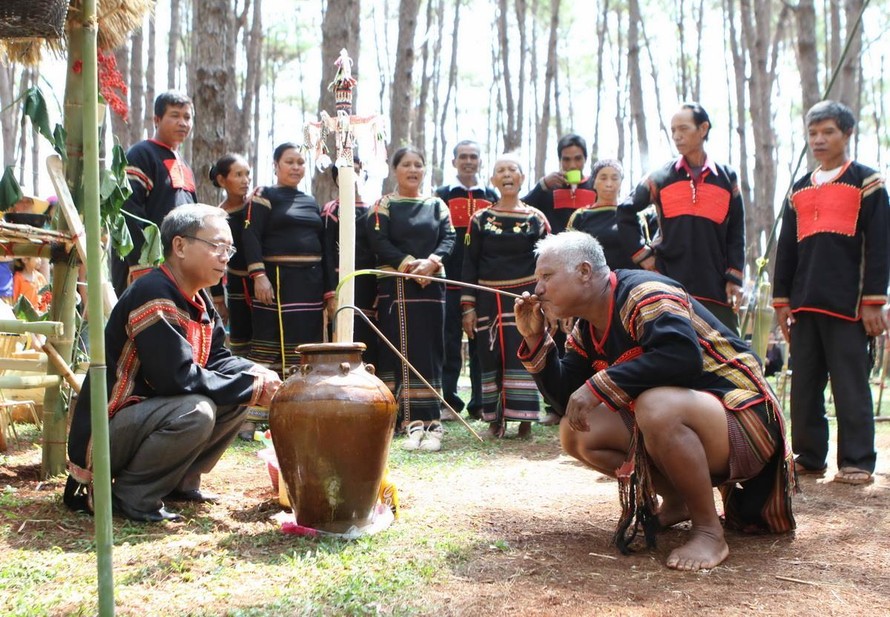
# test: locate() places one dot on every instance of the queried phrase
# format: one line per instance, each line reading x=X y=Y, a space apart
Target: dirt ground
x=545 y=525
x=559 y=517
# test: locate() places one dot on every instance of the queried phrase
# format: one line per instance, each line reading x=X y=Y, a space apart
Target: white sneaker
x=432 y=439
x=414 y=435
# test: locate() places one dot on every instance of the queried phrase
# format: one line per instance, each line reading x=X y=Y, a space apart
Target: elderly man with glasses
x=176 y=395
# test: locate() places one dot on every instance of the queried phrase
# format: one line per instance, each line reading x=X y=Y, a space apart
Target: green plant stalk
x=98 y=391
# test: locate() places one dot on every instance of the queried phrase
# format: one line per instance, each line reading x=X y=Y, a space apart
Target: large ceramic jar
x=332 y=423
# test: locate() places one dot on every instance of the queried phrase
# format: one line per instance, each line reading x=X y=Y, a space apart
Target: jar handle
x=305 y=369
x=370 y=368
x=345 y=368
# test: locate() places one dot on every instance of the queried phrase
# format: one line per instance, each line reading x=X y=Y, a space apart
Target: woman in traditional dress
x=232 y=297
x=284 y=248
x=411 y=233
x=365 y=286
x=599 y=220
x=500 y=254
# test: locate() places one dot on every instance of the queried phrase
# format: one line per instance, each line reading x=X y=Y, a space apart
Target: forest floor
x=502 y=527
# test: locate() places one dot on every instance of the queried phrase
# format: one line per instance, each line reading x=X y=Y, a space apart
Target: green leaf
x=119 y=163
x=60 y=137
x=121 y=239
x=152 y=254
x=107 y=184
x=35 y=109
x=114 y=190
x=10 y=191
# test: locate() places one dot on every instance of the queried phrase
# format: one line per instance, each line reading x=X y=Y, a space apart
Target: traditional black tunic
x=239 y=287
x=284 y=238
x=160 y=181
x=601 y=223
x=159 y=343
x=558 y=205
x=401 y=229
x=365 y=286
x=462 y=203
x=659 y=336
x=500 y=254
x=832 y=258
x=701 y=239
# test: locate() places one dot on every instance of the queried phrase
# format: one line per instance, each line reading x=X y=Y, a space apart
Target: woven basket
x=33 y=18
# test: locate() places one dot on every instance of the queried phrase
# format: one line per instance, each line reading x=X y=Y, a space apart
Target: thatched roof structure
x=117 y=18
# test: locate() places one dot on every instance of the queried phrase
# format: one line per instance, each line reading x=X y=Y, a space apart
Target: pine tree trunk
x=418 y=129
x=402 y=91
x=150 y=70
x=245 y=137
x=173 y=43
x=699 y=30
x=807 y=59
x=211 y=79
x=848 y=93
x=635 y=81
x=619 y=90
x=655 y=81
x=8 y=118
x=452 y=84
x=762 y=37
x=602 y=21
x=682 y=82
x=437 y=160
x=137 y=87
x=521 y=10
x=549 y=77
x=739 y=69
x=510 y=138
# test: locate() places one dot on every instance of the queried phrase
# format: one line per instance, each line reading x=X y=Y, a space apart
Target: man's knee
x=198 y=415
x=655 y=410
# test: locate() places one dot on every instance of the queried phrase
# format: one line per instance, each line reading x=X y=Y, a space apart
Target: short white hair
x=511 y=157
x=572 y=248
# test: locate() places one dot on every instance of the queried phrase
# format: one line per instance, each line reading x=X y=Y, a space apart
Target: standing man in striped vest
x=464 y=196
x=159 y=178
x=832 y=269
x=701 y=220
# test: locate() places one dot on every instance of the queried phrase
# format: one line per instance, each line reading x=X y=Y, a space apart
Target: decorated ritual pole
x=346 y=127
x=343 y=85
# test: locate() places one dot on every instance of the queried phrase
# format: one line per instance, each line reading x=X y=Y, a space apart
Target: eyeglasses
x=220 y=249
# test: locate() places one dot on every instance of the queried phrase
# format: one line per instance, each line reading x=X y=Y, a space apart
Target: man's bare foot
x=495 y=430
x=671 y=512
x=706 y=549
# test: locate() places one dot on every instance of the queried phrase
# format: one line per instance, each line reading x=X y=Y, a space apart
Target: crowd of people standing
x=684 y=221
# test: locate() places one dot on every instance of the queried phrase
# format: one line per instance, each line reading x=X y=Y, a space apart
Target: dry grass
x=487 y=529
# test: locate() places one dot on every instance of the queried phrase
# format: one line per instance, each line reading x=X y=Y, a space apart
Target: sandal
x=432 y=439
x=806 y=471
x=414 y=435
x=853 y=476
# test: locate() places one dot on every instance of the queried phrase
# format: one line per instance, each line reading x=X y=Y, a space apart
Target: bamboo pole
x=98 y=391
x=46 y=328
x=344 y=330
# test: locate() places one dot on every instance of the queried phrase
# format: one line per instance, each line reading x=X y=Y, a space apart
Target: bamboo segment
x=344 y=331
